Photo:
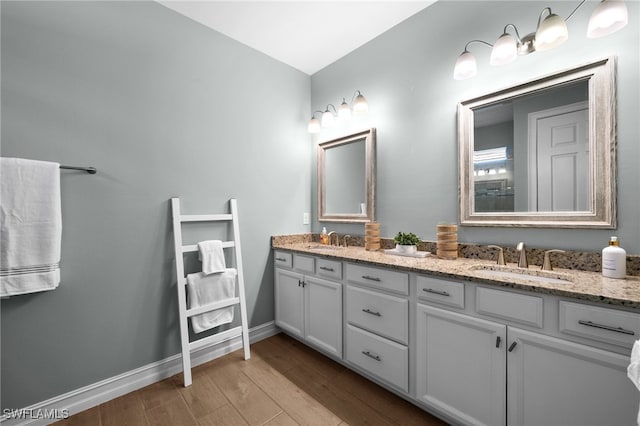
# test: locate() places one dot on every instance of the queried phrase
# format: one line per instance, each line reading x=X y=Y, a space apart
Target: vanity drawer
x=304 y=264
x=283 y=259
x=510 y=306
x=606 y=325
x=397 y=282
x=329 y=268
x=379 y=356
x=441 y=291
x=380 y=313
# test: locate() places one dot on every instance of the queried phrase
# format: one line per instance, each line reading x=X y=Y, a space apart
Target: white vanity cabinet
x=377 y=317
x=494 y=372
x=552 y=381
x=460 y=367
x=307 y=306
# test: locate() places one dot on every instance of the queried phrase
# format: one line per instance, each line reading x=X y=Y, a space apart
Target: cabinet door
x=289 y=297
x=323 y=314
x=460 y=366
x=555 y=382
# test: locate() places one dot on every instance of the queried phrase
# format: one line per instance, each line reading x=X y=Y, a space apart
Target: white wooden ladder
x=184 y=312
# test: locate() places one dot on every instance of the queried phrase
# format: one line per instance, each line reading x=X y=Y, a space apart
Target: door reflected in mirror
x=531 y=153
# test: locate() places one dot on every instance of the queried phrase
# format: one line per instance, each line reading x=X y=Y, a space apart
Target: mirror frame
x=369 y=137
x=600 y=76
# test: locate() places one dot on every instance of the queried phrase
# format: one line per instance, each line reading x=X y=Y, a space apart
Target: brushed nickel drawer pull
x=369 y=311
x=606 y=327
x=372 y=356
x=326 y=268
x=281 y=259
x=367 y=277
x=441 y=293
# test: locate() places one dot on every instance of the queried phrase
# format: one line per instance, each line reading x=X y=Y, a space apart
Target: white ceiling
x=306 y=34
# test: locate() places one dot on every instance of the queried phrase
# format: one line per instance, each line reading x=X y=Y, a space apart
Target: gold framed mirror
x=542 y=153
x=347 y=178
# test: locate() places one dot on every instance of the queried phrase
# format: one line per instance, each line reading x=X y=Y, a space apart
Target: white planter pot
x=406 y=249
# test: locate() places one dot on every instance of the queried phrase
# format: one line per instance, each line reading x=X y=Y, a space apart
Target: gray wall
x=407 y=76
x=163 y=107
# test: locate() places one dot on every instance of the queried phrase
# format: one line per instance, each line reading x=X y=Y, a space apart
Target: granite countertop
x=588 y=286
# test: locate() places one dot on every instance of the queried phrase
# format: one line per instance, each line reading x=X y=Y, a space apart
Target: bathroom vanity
x=471 y=347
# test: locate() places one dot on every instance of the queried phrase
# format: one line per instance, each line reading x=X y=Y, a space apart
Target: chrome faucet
x=546 y=264
x=345 y=239
x=330 y=235
x=522 y=260
x=500 y=260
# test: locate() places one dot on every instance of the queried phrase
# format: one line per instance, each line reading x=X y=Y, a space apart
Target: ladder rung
x=213 y=306
x=204 y=217
x=194 y=247
x=216 y=338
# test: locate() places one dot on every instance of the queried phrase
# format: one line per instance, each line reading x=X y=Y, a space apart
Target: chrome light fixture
x=607 y=18
x=359 y=105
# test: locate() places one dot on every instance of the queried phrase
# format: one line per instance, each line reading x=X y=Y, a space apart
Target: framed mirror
x=347 y=178
x=542 y=153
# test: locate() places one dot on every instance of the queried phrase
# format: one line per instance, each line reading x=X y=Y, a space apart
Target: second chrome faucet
x=522 y=259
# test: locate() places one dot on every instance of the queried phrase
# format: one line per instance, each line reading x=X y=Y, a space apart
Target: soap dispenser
x=614 y=260
x=324 y=236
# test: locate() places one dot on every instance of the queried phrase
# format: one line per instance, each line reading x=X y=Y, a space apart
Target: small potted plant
x=406 y=242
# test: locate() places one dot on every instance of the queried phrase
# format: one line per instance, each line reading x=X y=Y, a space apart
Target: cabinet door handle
x=498 y=340
x=372 y=356
x=281 y=259
x=374 y=313
x=299 y=283
x=606 y=327
x=512 y=347
x=326 y=268
x=367 y=277
x=441 y=293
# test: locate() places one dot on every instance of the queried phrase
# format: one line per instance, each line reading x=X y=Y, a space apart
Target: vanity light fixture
x=359 y=105
x=551 y=31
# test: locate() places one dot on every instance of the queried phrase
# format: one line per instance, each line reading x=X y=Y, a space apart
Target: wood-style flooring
x=284 y=383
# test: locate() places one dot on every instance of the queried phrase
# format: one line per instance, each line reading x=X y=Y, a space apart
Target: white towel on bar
x=633 y=371
x=206 y=289
x=31 y=226
x=211 y=254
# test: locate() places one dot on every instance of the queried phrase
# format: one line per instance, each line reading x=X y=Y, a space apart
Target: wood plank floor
x=284 y=383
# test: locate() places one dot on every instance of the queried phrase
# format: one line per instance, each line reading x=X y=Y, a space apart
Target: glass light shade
x=505 y=50
x=552 y=32
x=314 y=125
x=344 y=112
x=360 y=105
x=466 y=66
x=609 y=17
x=327 y=119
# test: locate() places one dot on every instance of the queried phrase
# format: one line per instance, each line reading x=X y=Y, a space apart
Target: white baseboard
x=73 y=402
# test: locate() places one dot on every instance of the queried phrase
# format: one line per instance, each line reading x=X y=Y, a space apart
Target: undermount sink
x=496 y=271
x=322 y=247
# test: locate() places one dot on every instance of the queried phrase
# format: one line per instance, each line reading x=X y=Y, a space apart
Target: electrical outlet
x=306 y=220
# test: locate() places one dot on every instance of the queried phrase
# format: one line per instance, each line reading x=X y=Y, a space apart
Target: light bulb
x=344 y=112
x=314 y=125
x=505 y=50
x=327 y=119
x=360 y=104
x=607 y=18
x=466 y=66
x=552 y=32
